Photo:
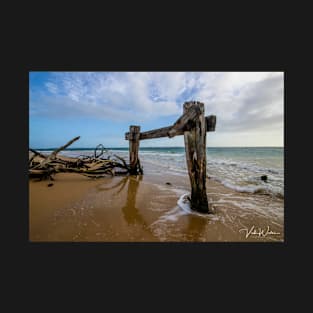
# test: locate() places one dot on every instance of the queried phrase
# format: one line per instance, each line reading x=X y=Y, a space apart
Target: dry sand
x=144 y=209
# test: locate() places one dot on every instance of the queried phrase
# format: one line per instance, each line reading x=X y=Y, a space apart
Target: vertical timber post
x=134 y=133
x=195 y=146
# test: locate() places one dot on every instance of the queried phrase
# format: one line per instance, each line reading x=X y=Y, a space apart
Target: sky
x=100 y=107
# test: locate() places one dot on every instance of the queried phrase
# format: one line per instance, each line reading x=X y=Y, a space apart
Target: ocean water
x=238 y=168
x=246 y=202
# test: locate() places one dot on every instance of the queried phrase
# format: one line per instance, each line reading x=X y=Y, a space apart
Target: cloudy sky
x=100 y=106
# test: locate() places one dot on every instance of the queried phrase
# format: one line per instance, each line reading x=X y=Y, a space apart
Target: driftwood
x=37 y=153
x=43 y=167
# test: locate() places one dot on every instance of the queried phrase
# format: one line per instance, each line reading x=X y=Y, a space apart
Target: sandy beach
x=219 y=134
x=144 y=209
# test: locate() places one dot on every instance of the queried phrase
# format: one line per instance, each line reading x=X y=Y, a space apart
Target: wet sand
x=144 y=209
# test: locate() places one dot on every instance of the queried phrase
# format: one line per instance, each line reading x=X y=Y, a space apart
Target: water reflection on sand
x=142 y=209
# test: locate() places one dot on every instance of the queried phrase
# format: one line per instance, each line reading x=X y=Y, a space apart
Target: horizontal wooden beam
x=170 y=132
x=156 y=133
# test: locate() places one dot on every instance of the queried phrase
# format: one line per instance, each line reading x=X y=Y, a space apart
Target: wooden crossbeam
x=156 y=133
x=167 y=131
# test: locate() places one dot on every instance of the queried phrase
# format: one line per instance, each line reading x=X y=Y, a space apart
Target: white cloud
x=53 y=88
x=242 y=101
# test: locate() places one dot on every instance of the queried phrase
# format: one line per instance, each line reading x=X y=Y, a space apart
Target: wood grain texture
x=193 y=125
x=155 y=133
x=195 y=146
x=134 y=163
x=174 y=130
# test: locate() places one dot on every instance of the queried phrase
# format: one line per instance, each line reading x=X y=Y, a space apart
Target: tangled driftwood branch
x=43 y=167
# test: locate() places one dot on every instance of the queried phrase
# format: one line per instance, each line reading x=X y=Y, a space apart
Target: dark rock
x=49 y=185
x=264 y=177
x=167 y=183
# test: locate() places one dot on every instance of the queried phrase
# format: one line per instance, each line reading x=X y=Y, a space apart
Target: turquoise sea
x=238 y=168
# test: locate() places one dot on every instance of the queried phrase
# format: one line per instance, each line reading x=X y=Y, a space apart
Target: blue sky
x=100 y=106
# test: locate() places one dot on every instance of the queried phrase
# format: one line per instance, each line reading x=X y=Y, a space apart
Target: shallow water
x=145 y=208
x=236 y=168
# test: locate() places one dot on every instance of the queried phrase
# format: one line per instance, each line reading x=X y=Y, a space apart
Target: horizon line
x=126 y=147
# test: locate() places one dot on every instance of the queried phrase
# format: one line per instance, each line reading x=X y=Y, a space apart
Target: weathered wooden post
x=134 y=133
x=195 y=146
x=193 y=125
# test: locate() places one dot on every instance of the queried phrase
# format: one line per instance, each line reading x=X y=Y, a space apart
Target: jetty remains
x=194 y=125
